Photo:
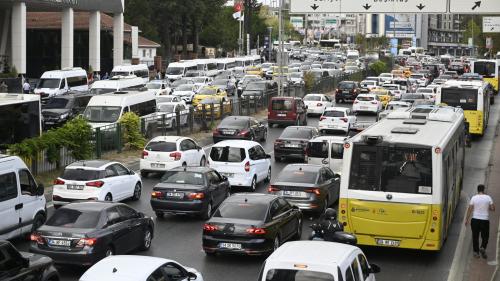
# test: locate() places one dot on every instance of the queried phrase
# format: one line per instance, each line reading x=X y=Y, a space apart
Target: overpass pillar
x=118 y=39
x=95 y=40
x=18 y=33
x=67 y=38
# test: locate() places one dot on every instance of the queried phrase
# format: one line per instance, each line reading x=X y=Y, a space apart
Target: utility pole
x=280 y=52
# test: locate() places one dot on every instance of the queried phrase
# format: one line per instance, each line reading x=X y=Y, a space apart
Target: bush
x=309 y=81
x=378 y=67
x=131 y=131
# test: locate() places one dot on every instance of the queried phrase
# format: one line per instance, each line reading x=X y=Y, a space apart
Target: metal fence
x=40 y=163
x=329 y=84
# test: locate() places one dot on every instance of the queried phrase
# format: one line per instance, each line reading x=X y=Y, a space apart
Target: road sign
x=475 y=6
x=491 y=24
x=368 y=6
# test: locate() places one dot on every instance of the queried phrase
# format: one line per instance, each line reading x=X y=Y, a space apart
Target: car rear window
x=317 y=149
x=234 y=122
x=365 y=98
x=297 y=275
x=346 y=85
x=312 y=98
x=294 y=133
x=181 y=177
x=71 y=218
x=245 y=211
x=284 y=105
x=228 y=154
x=81 y=175
x=161 y=146
x=334 y=113
x=297 y=176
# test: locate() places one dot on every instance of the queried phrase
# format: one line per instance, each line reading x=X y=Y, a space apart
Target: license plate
x=333 y=126
x=292 y=145
x=364 y=107
x=232 y=246
x=298 y=194
x=390 y=243
x=74 y=187
x=64 y=243
x=281 y=115
x=228 y=132
x=175 y=194
x=229 y=175
x=154 y=165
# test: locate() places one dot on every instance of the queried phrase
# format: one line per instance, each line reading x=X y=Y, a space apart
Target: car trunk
x=176 y=192
x=290 y=190
x=233 y=229
x=62 y=238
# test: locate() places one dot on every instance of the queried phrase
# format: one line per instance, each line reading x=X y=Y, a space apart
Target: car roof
x=167 y=138
x=366 y=95
x=303 y=167
x=251 y=197
x=299 y=127
x=236 y=143
x=311 y=252
x=329 y=138
x=124 y=268
x=195 y=169
x=95 y=164
x=91 y=206
x=336 y=109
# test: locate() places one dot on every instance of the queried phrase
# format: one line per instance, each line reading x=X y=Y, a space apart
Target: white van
x=107 y=109
x=177 y=70
x=139 y=70
x=319 y=261
x=22 y=203
x=352 y=55
x=226 y=64
x=327 y=151
x=117 y=84
x=208 y=66
x=57 y=82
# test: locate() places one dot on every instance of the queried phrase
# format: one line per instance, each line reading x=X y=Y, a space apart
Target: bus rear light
x=344 y=223
x=342 y=212
x=347 y=145
x=432 y=230
x=435 y=218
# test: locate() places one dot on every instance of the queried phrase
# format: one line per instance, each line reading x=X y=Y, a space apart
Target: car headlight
x=64 y=116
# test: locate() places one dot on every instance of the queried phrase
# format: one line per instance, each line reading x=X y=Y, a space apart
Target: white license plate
x=333 y=126
x=64 y=243
x=154 y=165
x=175 y=194
x=298 y=194
x=232 y=246
x=390 y=243
x=281 y=115
x=226 y=132
x=364 y=107
x=292 y=145
x=74 y=187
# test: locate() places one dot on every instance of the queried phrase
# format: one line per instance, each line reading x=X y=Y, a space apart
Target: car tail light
x=176 y=155
x=344 y=119
x=196 y=196
x=355 y=90
x=58 y=182
x=247 y=166
x=86 y=242
x=316 y=191
x=337 y=90
x=244 y=133
x=356 y=101
x=35 y=237
x=95 y=183
x=144 y=154
x=216 y=132
x=272 y=188
x=374 y=102
x=322 y=118
x=256 y=231
x=319 y=104
x=210 y=227
x=156 y=194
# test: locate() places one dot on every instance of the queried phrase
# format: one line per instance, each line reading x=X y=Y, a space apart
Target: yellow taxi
x=383 y=94
x=208 y=92
x=398 y=73
x=216 y=102
x=255 y=70
x=407 y=72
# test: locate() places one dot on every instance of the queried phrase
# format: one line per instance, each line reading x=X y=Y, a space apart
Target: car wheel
x=208 y=211
x=264 y=136
x=277 y=159
x=337 y=101
x=252 y=137
x=159 y=215
x=276 y=243
x=253 y=185
x=144 y=174
x=184 y=165
x=108 y=197
x=305 y=121
x=109 y=252
x=37 y=222
x=297 y=123
x=268 y=178
x=146 y=242
x=298 y=234
x=203 y=161
x=137 y=192
x=210 y=254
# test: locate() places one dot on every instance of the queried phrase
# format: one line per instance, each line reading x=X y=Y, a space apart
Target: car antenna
x=246 y=200
x=115 y=270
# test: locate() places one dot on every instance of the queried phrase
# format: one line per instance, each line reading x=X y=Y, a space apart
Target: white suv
x=98 y=180
x=167 y=152
x=244 y=163
x=317 y=103
x=336 y=119
x=367 y=103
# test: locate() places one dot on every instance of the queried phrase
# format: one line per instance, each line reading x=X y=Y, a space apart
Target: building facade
x=445 y=35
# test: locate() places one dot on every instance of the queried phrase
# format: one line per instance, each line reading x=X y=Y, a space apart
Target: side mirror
x=191 y=276
x=268 y=156
x=130 y=172
x=374 y=268
x=40 y=190
x=224 y=178
x=336 y=177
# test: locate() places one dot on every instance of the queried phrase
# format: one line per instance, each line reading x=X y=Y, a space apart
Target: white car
x=167 y=112
x=170 y=99
x=317 y=103
x=186 y=92
x=167 y=152
x=98 y=180
x=395 y=90
x=336 y=119
x=429 y=93
x=244 y=163
x=159 y=87
x=202 y=81
x=367 y=103
x=368 y=85
x=386 y=77
x=421 y=79
x=318 y=260
x=139 y=268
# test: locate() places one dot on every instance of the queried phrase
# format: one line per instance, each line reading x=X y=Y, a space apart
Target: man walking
x=479 y=207
x=26 y=87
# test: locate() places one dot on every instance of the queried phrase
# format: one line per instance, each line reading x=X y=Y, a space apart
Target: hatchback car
x=240 y=127
x=189 y=190
x=336 y=119
x=347 y=90
x=367 y=103
x=166 y=115
x=167 y=152
x=97 y=180
x=244 y=163
x=84 y=233
x=287 y=111
x=317 y=103
x=307 y=186
x=251 y=224
x=186 y=92
x=119 y=268
x=293 y=141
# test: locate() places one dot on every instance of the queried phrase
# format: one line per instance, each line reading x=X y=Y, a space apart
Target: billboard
x=400 y=26
x=297 y=22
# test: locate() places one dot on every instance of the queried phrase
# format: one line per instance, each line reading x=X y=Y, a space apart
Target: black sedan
x=240 y=127
x=251 y=224
x=84 y=233
x=62 y=108
x=190 y=190
x=258 y=90
x=293 y=142
x=309 y=187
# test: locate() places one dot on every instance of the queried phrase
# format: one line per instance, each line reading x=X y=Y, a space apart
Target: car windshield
x=56 y=103
x=102 y=114
x=80 y=175
x=255 y=86
x=163 y=99
x=296 y=133
x=183 y=177
x=243 y=210
x=186 y=88
x=312 y=98
x=297 y=275
x=298 y=176
x=161 y=146
x=227 y=154
x=346 y=86
x=48 y=83
x=166 y=108
x=234 y=122
x=282 y=105
x=180 y=82
x=334 y=113
x=425 y=91
x=220 y=82
x=71 y=218
x=208 y=92
x=417 y=76
x=361 y=98
x=175 y=71
x=153 y=86
x=199 y=80
x=101 y=91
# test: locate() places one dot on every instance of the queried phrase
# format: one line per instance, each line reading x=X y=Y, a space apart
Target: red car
x=287 y=111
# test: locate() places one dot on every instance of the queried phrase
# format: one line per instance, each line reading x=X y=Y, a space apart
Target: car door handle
x=19 y=206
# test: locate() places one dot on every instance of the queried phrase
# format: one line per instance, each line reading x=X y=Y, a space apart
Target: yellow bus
x=489 y=69
x=402 y=178
x=474 y=97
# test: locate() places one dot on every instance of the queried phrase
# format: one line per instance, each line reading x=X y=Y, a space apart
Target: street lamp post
x=270 y=46
x=280 y=56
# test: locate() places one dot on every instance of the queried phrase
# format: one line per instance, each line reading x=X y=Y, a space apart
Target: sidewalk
x=480 y=269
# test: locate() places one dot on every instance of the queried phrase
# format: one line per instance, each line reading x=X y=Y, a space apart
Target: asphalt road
x=179 y=237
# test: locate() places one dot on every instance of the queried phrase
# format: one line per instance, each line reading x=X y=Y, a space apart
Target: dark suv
x=15 y=265
x=347 y=90
x=62 y=108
